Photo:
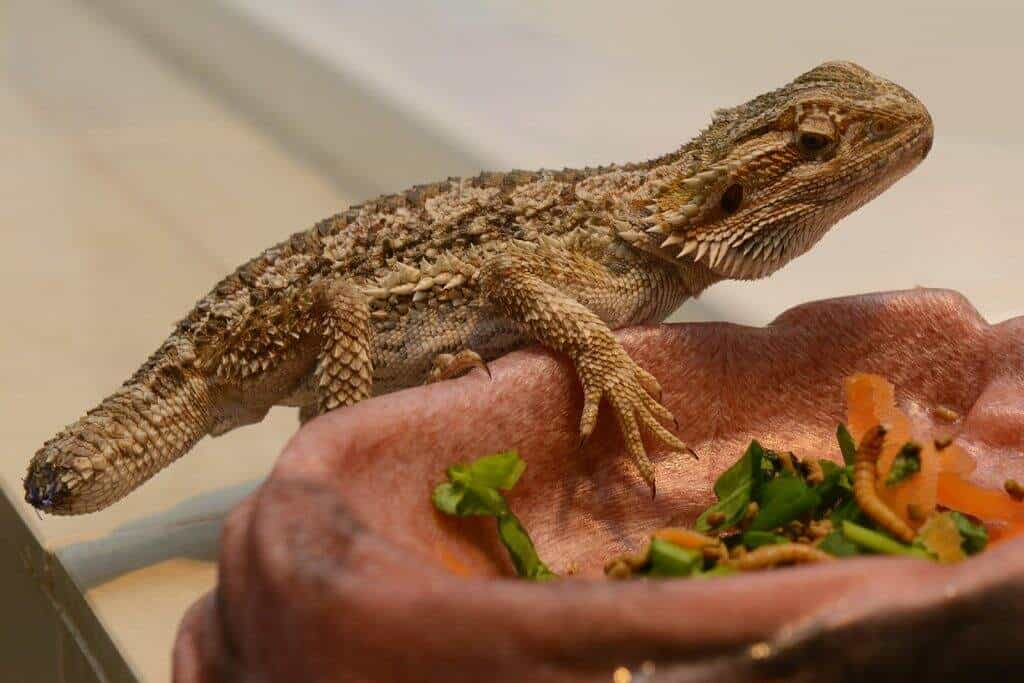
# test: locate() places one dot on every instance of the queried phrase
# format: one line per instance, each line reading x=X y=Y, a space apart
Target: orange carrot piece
x=955 y=461
x=1003 y=531
x=871 y=401
x=684 y=538
x=986 y=504
x=942 y=479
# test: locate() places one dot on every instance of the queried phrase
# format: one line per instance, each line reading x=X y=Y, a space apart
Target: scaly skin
x=426 y=283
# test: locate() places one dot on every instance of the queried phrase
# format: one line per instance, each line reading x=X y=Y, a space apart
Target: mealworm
x=815 y=474
x=623 y=566
x=782 y=553
x=915 y=512
x=819 y=528
x=718 y=552
x=788 y=461
x=617 y=569
x=716 y=518
x=1014 y=489
x=865 y=475
x=748 y=517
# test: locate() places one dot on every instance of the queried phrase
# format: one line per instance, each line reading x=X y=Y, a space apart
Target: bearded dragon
x=428 y=283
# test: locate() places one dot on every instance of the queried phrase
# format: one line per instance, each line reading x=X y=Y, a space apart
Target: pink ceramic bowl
x=339 y=568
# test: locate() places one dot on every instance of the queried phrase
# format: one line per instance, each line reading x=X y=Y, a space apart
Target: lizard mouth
x=801 y=225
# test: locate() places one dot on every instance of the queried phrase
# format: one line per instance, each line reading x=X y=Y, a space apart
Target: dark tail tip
x=43 y=488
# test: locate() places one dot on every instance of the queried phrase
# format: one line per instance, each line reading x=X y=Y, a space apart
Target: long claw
x=663 y=435
x=449 y=366
x=631 y=435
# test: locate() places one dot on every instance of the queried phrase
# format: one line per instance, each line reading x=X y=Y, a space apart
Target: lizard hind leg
x=450 y=366
x=344 y=371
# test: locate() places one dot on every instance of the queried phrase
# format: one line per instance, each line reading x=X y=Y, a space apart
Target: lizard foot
x=630 y=390
x=450 y=366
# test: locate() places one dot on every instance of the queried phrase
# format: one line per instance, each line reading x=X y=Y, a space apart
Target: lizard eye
x=812 y=142
x=880 y=127
x=731 y=199
x=815 y=135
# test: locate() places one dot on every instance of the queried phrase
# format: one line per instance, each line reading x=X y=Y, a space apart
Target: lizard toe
x=629 y=390
x=450 y=366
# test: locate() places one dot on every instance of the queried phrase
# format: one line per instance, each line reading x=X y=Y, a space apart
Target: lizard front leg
x=515 y=285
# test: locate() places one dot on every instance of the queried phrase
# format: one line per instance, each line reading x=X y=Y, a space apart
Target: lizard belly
x=247 y=401
x=403 y=356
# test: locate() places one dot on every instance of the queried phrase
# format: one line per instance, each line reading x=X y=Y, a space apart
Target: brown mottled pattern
x=365 y=301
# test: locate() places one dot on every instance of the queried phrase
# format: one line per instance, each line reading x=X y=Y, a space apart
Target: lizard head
x=768 y=178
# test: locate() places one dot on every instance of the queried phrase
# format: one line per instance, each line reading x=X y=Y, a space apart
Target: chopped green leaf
x=878 y=542
x=829 y=468
x=848 y=510
x=782 y=500
x=668 y=559
x=735 y=488
x=498 y=471
x=837 y=544
x=837 y=485
x=756 y=539
x=906 y=463
x=447 y=496
x=975 y=536
x=520 y=548
x=847 y=445
x=483 y=501
x=472 y=490
x=462 y=500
